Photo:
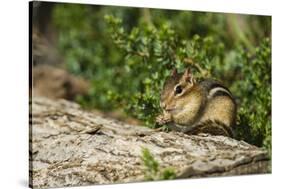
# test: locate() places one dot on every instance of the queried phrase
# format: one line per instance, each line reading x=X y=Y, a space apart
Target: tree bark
x=71 y=147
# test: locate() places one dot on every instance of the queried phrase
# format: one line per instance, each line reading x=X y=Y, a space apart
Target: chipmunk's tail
x=212 y=127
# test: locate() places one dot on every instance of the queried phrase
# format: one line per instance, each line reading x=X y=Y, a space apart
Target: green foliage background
x=127 y=53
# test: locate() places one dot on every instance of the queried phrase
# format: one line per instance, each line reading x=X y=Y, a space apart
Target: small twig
x=189 y=61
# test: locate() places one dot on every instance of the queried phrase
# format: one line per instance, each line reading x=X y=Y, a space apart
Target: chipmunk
x=197 y=107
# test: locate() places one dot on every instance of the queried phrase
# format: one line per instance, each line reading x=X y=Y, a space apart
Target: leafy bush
x=254 y=89
x=128 y=75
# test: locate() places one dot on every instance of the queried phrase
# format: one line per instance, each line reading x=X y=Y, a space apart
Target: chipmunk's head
x=176 y=86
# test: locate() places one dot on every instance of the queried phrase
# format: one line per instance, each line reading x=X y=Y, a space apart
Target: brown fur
x=220 y=108
x=196 y=109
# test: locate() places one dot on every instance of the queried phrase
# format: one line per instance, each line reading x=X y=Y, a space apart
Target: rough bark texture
x=70 y=147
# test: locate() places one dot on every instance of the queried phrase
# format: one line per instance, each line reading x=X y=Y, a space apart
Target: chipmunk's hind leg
x=214 y=127
x=222 y=109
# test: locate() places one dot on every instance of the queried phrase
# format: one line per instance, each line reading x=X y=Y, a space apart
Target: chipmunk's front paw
x=160 y=120
x=163 y=119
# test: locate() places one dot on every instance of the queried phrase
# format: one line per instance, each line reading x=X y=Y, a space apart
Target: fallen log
x=73 y=147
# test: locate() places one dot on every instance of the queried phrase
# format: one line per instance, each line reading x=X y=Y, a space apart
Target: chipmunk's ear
x=188 y=77
x=174 y=72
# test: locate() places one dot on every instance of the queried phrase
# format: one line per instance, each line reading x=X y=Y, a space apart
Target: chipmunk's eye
x=178 y=89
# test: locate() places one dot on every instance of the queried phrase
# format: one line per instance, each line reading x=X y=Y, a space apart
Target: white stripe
x=214 y=90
